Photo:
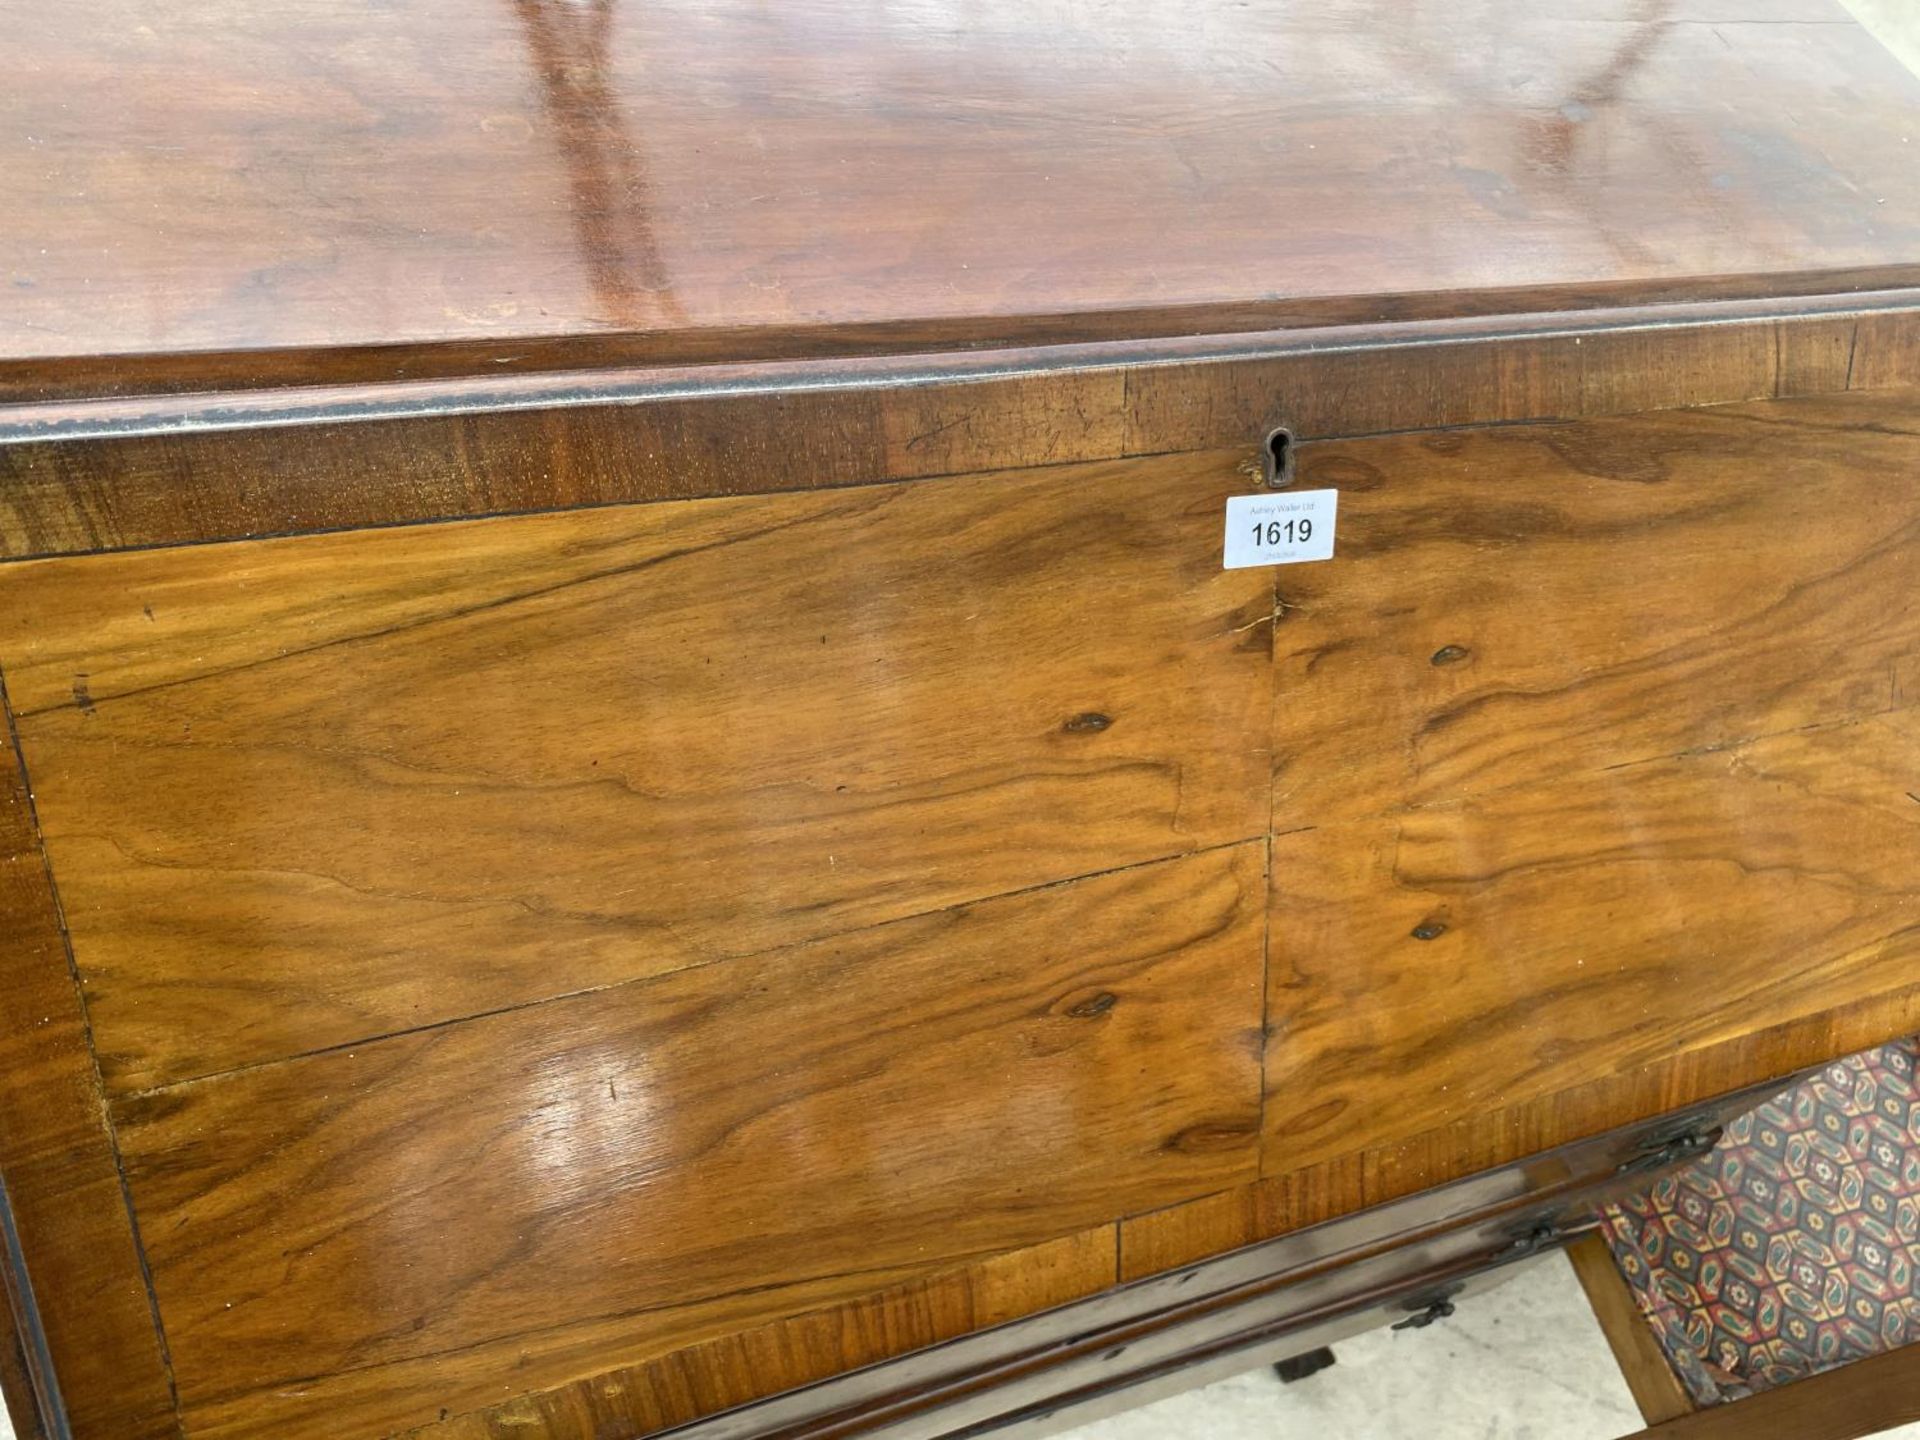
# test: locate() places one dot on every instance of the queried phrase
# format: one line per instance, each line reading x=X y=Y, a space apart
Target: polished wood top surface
x=234 y=191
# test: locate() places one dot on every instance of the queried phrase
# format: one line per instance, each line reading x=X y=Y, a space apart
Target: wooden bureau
x=638 y=797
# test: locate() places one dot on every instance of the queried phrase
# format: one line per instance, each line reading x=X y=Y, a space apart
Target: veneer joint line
x=104 y=1115
x=128 y=1097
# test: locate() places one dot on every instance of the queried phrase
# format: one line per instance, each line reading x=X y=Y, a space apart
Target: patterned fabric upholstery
x=1793 y=1247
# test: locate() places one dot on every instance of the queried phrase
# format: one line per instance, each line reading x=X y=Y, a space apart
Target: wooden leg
x=1865 y=1397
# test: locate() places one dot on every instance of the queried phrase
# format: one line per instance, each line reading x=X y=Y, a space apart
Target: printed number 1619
x=1282 y=532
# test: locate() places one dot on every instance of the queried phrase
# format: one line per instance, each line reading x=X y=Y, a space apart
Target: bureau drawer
x=1199 y=1322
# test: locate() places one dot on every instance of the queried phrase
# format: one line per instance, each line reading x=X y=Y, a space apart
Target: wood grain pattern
x=1334 y=391
x=62 y=1178
x=1867 y=1397
x=1616 y=709
x=621 y=1183
x=415 y=775
x=570 y=973
x=118 y=475
x=1887 y=353
x=16 y=1386
x=434 y=190
x=1518 y=1146
x=1138 y=1338
x=796 y=1351
x=1153 y=1337
x=180 y=485
x=1657 y=1391
x=1558 y=837
x=1516 y=604
x=1481 y=952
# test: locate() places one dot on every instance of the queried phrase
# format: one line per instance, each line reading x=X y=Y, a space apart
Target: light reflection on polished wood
x=1637 y=774
x=420 y=774
x=1572 y=827
x=561 y=973
x=62 y=1194
x=616 y=1174
x=209 y=467
x=1507 y=852
x=538 y=183
x=1607 y=921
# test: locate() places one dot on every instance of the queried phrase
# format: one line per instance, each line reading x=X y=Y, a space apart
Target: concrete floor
x=1526 y=1361
x=1896 y=22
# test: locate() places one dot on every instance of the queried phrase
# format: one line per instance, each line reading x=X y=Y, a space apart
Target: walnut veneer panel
x=178 y=484
x=1603 y=923
x=614 y=1174
x=1637 y=771
x=343 y=786
x=1513 y=604
x=311 y=189
x=1436 y=379
x=796 y=1351
x=1591 y=797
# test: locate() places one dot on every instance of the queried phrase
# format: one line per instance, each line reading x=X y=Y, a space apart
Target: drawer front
x=1167 y=1333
